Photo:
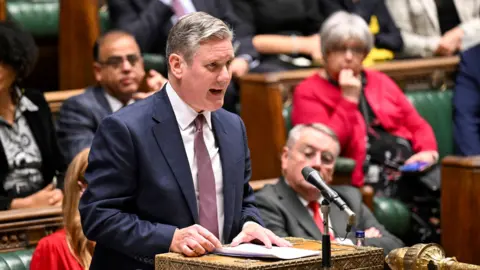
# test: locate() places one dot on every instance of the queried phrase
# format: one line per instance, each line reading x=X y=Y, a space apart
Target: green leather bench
x=17 y=260
x=41 y=18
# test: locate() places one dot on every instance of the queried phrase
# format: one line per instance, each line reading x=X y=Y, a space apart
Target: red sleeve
x=310 y=107
x=423 y=137
x=44 y=256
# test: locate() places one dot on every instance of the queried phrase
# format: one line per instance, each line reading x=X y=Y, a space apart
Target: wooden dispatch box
x=343 y=257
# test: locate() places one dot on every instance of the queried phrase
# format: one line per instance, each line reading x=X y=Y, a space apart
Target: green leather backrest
x=38 y=17
x=17 y=260
x=392 y=214
x=436 y=108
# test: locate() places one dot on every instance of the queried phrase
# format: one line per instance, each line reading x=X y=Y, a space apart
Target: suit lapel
x=431 y=9
x=169 y=139
x=99 y=94
x=295 y=206
x=226 y=157
x=339 y=221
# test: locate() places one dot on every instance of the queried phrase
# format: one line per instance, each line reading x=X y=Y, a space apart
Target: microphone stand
x=326 y=245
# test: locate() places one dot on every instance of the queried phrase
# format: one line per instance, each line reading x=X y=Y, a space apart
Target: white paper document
x=258 y=251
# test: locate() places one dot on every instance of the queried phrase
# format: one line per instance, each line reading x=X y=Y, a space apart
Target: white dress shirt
x=310 y=211
x=185 y=116
x=114 y=103
x=186 y=4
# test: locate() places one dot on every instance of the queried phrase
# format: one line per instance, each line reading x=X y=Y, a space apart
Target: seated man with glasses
x=119 y=72
x=292 y=206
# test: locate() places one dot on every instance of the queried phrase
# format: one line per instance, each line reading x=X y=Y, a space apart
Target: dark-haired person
x=30 y=160
x=119 y=71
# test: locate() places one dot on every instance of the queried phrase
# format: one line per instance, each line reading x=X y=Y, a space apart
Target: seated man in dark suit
x=466 y=104
x=119 y=72
x=291 y=207
x=151 y=20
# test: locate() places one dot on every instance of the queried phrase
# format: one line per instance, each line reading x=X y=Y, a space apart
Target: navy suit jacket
x=466 y=104
x=79 y=119
x=140 y=187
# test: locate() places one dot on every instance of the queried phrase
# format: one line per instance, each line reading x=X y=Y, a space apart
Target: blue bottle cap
x=360 y=234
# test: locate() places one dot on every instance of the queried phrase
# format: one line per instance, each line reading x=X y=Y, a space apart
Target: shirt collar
x=114 y=103
x=183 y=112
x=25 y=104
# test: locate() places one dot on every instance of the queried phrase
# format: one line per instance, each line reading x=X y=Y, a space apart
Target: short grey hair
x=296 y=131
x=342 y=26
x=193 y=29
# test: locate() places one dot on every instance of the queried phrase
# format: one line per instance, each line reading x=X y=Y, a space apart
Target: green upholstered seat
x=436 y=108
x=393 y=214
x=16 y=260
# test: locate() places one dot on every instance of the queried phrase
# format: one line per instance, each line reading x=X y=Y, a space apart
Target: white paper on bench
x=258 y=251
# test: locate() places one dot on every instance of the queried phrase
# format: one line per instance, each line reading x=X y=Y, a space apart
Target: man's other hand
x=194 y=241
x=252 y=231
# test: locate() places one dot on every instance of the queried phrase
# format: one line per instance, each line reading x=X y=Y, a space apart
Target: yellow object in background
x=376 y=55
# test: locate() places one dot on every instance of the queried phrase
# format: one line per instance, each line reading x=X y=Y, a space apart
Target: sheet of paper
x=257 y=251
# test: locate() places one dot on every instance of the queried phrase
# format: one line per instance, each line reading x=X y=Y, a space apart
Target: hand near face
x=154 y=82
x=372 y=232
x=252 y=231
x=430 y=157
x=350 y=84
x=239 y=67
x=194 y=241
x=450 y=42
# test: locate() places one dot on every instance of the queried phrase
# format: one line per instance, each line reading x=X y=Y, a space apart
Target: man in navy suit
x=466 y=104
x=171 y=172
x=119 y=71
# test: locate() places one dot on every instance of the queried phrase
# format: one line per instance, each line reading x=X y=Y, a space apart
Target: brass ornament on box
x=424 y=256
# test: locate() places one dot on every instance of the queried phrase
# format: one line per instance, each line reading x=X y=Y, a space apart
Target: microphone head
x=307 y=171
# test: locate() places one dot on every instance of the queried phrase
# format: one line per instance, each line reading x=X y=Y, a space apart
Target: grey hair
x=193 y=29
x=342 y=26
x=295 y=133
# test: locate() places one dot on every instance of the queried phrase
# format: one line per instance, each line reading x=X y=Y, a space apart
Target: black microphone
x=314 y=178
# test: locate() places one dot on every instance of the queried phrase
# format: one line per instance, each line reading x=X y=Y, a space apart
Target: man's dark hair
x=101 y=39
x=17 y=49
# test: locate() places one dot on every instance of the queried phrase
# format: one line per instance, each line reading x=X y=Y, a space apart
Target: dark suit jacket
x=41 y=125
x=285 y=215
x=140 y=187
x=150 y=21
x=388 y=37
x=466 y=102
x=79 y=119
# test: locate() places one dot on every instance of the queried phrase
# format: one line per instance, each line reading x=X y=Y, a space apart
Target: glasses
x=117 y=61
x=355 y=51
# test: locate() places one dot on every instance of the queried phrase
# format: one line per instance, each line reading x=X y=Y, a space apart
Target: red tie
x=315 y=206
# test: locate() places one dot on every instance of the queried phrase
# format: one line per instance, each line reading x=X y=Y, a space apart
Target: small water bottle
x=360 y=235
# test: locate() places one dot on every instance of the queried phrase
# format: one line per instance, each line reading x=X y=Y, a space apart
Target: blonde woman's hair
x=79 y=245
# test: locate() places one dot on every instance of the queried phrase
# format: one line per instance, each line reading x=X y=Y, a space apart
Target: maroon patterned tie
x=207 y=202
